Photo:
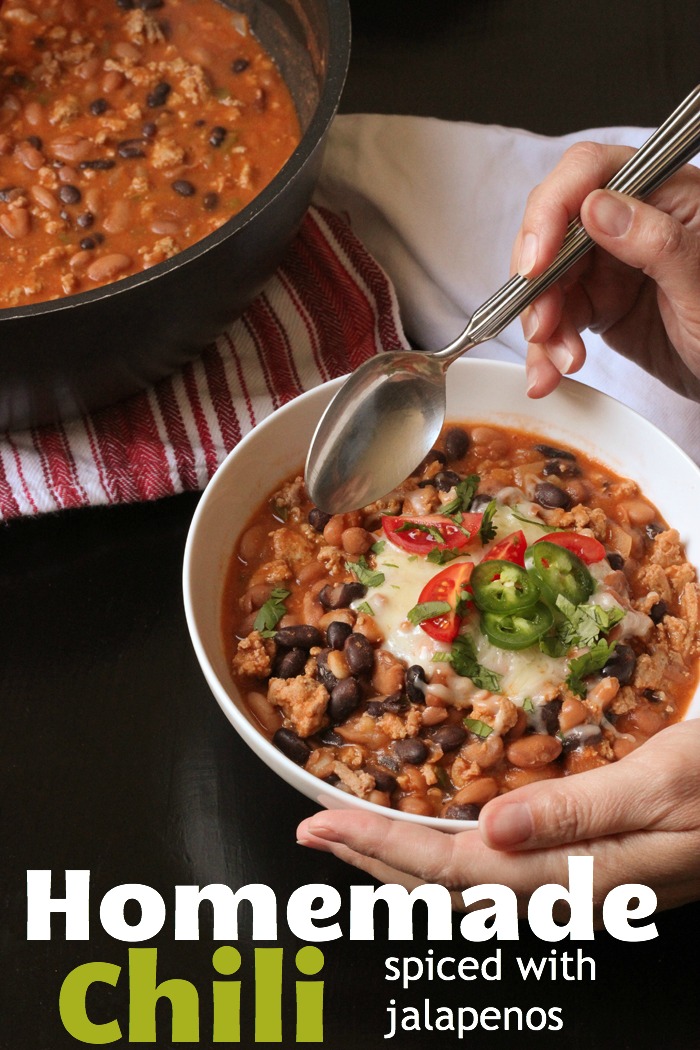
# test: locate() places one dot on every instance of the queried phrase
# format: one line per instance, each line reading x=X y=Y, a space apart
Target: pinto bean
x=266 y=713
x=572 y=713
x=356 y=540
x=476 y=792
x=418 y=804
x=537 y=749
x=108 y=266
x=389 y=674
x=16 y=223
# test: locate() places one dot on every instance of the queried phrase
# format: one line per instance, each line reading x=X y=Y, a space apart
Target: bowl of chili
x=265 y=590
x=121 y=287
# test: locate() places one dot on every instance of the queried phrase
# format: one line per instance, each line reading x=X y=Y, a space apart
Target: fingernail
x=611 y=213
x=322 y=831
x=530 y=322
x=528 y=254
x=510 y=825
x=531 y=377
x=560 y=356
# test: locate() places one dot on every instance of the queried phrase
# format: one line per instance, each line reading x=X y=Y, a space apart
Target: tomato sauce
x=129 y=129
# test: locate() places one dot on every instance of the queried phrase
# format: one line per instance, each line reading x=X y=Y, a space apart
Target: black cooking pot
x=64 y=357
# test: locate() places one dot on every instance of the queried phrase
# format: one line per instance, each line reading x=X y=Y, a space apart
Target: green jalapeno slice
x=501 y=586
x=559 y=571
x=517 y=630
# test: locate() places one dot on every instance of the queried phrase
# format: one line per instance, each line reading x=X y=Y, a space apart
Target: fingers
x=555 y=201
x=562 y=352
x=648 y=239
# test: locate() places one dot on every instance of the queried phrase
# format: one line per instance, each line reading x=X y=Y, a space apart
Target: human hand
x=639 y=818
x=638 y=287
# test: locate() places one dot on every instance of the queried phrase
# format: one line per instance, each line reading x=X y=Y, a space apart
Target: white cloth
x=438 y=204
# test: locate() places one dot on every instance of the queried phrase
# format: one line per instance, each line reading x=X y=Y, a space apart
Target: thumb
x=646 y=238
x=601 y=802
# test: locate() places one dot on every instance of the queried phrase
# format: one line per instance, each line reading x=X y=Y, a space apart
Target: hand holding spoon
x=388 y=414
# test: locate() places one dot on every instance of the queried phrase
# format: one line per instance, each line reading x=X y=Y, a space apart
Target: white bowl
x=478 y=391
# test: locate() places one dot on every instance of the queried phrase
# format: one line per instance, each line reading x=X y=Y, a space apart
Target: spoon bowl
x=388 y=414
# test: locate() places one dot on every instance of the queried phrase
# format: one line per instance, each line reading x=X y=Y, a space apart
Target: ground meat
x=290 y=495
x=303 y=702
x=254 y=656
x=584 y=518
x=292 y=547
x=359 y=783
x=650 y=670
x=272 y=572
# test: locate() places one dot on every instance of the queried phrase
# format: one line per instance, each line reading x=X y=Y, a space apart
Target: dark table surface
x=115 y=758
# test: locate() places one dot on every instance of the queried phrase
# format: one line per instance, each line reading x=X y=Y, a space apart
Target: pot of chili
x=104 y=335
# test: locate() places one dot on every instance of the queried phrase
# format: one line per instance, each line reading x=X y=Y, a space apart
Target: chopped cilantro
x=487 y=530
x=430 y=530
x=270 y=614
x=364 y=573
x=531 y=521
x=481 y=729
x=581 y=666
x=465 y=492
x=528 y=705
x=462 y=657
x=365 y=607
x=443 y=556
x=378 y=547
x=427 y=611
x=584 y=624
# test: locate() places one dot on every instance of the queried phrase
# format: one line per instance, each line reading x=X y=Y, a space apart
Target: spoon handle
x=673 y=144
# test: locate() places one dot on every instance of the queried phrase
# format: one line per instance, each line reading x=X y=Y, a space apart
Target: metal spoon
x=389 y=412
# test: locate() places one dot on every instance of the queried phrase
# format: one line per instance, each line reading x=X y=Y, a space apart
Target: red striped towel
x=326 y=310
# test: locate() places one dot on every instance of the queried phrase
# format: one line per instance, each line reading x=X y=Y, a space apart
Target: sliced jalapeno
x=517 y=630
x=559 y=571
x=502 y=586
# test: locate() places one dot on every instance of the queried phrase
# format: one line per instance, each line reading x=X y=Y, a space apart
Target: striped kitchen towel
x=327 y=309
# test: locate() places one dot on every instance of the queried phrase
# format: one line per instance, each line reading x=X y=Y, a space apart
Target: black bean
x=239 y=65
x=337 y=633
x=653 y=529
x=658 y=611
x=550 y=452
x=98 y=106
x=159 y=95
x=390 y=762
x=653 y=695
x=393 y=705
x=456 y=443
x=581 y=736
x=85 y=220
x=20 y=79
x=415 y=679
x=449 y=737
x=210 y=201
x=149 y=130
x=292 y=746
x=35 y=141
x=217 y=135
x=466 y=811
x=331 y=739
x=549 y=714
x=383 y=781
x=359 y=654
x=345 y=698
x=318 y=519
x=126 y=5
x=149 y=5
x=616 y=560
x=184 y=187
x=290 y=663
x=299 y=636
x=100 y=164
x=557 y=468
x=480 y=501
x=621 y=664
x=339 y=595
x=445 y=480
x=549 y=495
x=131 y=148
x=88 y=243
x=8 y=193
x=410 y=750
x=323 y=672
x=69 y=194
